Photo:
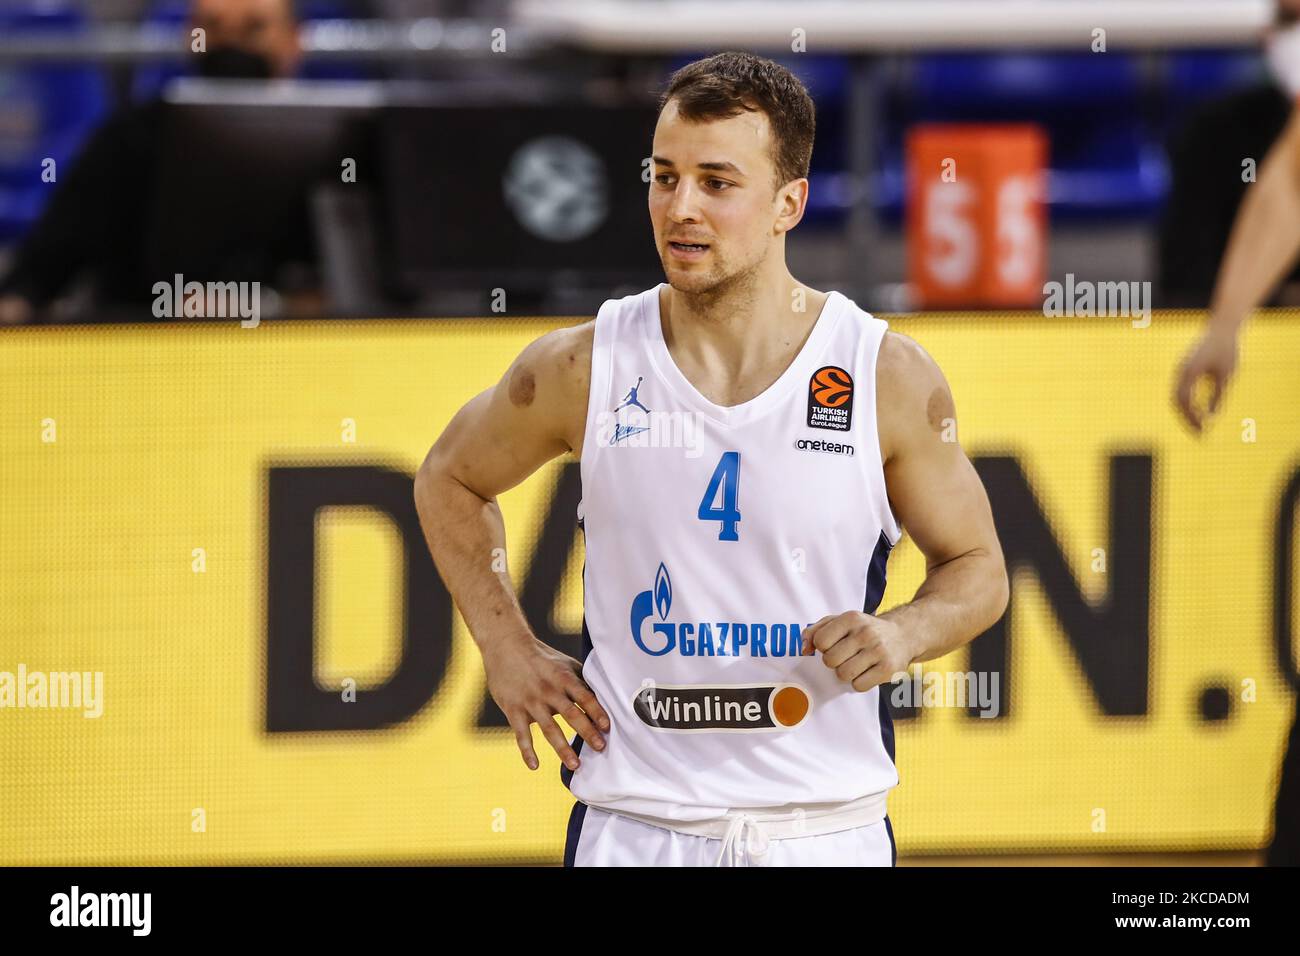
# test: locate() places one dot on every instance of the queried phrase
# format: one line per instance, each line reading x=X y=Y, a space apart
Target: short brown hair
x=723 y=85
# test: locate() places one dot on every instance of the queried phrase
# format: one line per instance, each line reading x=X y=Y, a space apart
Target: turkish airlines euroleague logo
x=830 y=399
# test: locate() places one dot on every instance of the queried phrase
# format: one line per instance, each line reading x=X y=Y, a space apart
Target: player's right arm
x=536 y=412
x=1264 y=244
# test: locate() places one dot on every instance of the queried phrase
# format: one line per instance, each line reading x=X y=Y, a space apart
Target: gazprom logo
x=704 y=638
x=663 y=592
x=646 y=604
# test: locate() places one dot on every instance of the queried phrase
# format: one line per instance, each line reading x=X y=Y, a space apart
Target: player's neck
x=739 y=329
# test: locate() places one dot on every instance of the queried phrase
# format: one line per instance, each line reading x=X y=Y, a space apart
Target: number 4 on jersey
x=726 y=475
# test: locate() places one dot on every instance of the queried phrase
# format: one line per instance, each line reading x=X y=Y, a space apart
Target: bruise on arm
x=940 y=409
x=510 y=430
x=523 y=385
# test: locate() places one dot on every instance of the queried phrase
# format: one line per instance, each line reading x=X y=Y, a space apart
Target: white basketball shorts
x=599 y=838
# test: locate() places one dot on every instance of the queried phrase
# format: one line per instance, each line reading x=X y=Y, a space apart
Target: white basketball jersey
x=714 y=537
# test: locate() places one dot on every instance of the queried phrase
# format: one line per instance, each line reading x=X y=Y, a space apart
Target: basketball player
x=770 y=443
x=1262 y=249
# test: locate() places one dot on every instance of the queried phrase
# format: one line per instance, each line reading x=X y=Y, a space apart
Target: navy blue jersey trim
x=871 y=602
x=876 y=575
x=576 y=816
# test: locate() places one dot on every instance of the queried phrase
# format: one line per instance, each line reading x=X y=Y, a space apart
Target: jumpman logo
x=631 y=399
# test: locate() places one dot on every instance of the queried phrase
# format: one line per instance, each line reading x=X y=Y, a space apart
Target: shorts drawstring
x=746 y=828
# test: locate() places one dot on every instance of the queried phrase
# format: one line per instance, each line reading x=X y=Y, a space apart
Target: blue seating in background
x=1107 y=116
x=1197 y=75
x=47 y=110
x=149 y=79
x=1102 y=161
x=959 y=83
x=1193 y=77
x=828 y=79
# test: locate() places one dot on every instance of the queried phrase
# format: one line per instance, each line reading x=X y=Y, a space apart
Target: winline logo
x=739 y=708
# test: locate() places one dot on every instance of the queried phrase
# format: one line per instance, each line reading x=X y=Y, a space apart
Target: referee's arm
x=1263 y=248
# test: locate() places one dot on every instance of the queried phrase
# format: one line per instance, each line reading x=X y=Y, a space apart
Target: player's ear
x=792 y=200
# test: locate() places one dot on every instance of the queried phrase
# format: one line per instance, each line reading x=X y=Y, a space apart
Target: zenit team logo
x=742 y=708
x=830 y=399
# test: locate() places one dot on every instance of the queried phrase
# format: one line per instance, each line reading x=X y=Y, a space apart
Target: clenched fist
x=862 y=649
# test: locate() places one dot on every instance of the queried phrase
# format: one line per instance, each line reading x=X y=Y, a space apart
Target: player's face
x=712 y=186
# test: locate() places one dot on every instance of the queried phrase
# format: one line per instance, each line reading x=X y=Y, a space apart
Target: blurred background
x=217 y=518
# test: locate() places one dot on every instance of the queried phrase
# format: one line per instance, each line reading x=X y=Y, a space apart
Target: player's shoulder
x=565 y=344
x=547 y=384
x=560 y=358
x=911 y=391
x=565 y=354
x=904 y=365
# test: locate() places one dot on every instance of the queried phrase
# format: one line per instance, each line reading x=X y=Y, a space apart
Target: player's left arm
x=939 y=500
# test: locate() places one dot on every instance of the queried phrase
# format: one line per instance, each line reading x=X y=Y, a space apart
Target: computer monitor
x=236 y=170
x=529 y=198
